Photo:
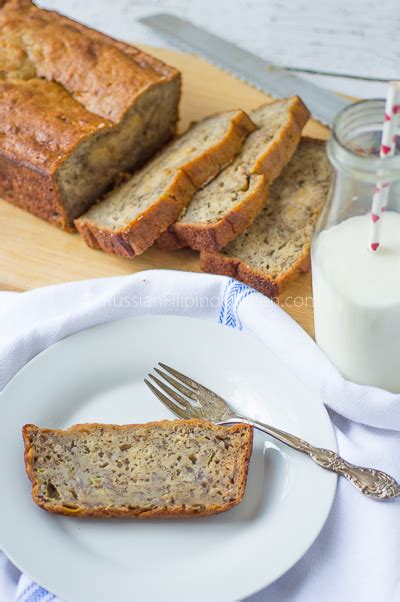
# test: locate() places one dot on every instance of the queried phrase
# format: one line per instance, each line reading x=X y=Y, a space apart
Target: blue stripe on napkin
x=22 y=595
x=234 y=294
x=35 y=593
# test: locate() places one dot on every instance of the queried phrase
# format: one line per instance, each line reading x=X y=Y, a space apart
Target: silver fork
x=187 y=398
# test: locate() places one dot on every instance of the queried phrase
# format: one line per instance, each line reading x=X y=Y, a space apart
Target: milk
x=357 y=300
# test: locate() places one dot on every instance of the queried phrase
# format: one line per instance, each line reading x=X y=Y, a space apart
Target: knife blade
x=275 y=81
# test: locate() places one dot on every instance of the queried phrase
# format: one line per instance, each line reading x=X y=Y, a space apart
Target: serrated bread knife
x=275 y=81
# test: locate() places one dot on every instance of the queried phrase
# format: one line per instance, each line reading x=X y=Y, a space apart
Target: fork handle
x=373 y=483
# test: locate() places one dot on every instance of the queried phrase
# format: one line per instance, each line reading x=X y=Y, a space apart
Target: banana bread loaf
x=76 y=107
x=161 y=469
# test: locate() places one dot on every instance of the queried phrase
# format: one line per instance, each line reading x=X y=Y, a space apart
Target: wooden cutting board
x=33 y=253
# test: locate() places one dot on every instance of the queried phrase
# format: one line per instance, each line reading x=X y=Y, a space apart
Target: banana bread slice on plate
x=130 y=218
x=76 y=107
x=276 y=247
x=223 y=209
x=165 y=469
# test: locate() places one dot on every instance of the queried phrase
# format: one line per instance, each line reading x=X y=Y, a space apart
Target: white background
x=351 y=46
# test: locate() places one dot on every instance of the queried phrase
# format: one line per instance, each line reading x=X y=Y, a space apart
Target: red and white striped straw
x=387 y=149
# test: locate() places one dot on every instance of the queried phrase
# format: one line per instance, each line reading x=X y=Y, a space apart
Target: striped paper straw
x=387 y=149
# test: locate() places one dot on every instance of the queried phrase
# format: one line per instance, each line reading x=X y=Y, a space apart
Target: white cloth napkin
x=357 y=555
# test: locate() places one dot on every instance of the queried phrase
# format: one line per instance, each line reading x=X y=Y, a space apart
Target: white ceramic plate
x=97 y=376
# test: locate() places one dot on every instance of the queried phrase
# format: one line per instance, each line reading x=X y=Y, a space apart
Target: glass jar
x=357 y=291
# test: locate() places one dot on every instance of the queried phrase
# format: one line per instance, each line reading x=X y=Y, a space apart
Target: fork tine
x=171 y=405
x=203 y=394
x=175 y=383
x=175 y=396
x=208 y=404
x=185 y=379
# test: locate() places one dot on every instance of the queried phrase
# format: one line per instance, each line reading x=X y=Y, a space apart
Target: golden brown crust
x=57 y=72
x=218 y=263
x=170 y=241
x=141 y=58
x=179 y=512
x=103 y=75
x=140 y=234
x=206 y=166
x=30 y=155
x=19 y=184
x=279 y=154
x=213 y=237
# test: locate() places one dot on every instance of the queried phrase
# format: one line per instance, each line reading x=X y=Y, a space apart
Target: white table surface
x=352 y=46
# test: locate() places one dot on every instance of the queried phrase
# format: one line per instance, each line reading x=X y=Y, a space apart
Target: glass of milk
x=357 y=291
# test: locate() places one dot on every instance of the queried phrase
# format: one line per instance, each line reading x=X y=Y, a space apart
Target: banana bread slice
x=130 y=218
x=223 y=209
x=276 y=247
x=161 y=469
x=76 y=107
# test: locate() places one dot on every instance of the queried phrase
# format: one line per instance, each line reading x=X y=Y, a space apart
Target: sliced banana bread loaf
x=161 y=469
x=275 y=248
x=130 y=218
x=223 y=209
x=76 y=107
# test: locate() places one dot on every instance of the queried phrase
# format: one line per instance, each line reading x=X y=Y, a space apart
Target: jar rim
x=343 y=157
